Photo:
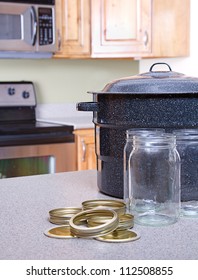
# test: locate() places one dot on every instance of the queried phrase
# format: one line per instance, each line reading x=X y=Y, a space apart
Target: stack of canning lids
x=61 y=216
x=104 y=220
x=125 y=221
x=118 y=206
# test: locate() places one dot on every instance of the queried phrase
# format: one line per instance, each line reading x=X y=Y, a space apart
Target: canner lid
x=153 y=82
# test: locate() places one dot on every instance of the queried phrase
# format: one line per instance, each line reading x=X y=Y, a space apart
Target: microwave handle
x=34 y=25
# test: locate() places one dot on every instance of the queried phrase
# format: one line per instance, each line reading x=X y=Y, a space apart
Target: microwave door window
x=18 y=28
x=10 y=27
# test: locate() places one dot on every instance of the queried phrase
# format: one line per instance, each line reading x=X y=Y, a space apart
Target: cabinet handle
x=145 y=38
x=84 y=148
x=59 y=40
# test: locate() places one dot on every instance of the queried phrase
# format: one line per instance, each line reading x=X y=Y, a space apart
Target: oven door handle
x=34 y=24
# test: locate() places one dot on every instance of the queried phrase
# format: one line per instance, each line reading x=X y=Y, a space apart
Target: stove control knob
x=25 y=94
x=11 y=91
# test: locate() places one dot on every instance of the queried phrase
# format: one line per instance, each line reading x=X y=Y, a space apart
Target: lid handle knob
x=151 y=68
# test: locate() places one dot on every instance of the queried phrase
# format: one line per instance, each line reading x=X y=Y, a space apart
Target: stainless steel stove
x=28 y=146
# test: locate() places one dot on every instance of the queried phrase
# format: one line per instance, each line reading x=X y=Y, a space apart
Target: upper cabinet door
x=171 y=28
x=121 y=28
x=73 y=27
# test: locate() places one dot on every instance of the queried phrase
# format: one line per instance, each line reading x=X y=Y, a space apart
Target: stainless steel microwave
x=27 y=28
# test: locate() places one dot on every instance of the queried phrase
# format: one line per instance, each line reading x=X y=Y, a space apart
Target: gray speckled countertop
x=24 y=206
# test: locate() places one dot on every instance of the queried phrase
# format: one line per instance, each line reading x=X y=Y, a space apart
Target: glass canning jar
x=127 y=151
x=154 y=172
x=187 y=146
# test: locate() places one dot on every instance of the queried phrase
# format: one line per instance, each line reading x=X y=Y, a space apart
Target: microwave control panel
x=45 y=18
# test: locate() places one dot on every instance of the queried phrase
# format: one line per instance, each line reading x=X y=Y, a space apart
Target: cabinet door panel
x=85 y=146
x=73 y=25
x=171 y=28
x=121 y=28
x=116 y=20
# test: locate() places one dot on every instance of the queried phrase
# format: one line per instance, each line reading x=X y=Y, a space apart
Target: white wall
x=66 y=80
x=189 y=65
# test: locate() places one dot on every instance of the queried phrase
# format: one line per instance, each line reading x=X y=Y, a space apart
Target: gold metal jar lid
x=64 y=212
x=61 y=216
x=80 y=230
x=116 y=205
x=62 y=232
x=126 y=221
x=119 y=236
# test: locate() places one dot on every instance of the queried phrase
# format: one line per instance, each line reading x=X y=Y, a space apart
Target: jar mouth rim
x=144 y=131
x=155 y=137
x=186 y=133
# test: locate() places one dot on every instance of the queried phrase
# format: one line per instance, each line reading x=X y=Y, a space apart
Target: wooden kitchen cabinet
x=170 y=28
x=73 y=28
x=123 y=28
x=85 y=147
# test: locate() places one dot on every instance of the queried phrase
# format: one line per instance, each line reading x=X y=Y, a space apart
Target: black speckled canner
x=157 y=99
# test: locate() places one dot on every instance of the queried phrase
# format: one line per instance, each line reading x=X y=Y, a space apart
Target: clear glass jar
x=127 y=151
x=154 y=168
x=187 y=146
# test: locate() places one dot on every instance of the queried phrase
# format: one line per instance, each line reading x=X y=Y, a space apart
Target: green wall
x=65 y=80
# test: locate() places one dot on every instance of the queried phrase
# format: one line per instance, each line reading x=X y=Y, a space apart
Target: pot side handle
x=87 y=106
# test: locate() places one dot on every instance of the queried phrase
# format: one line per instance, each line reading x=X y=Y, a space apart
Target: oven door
x=37 y=159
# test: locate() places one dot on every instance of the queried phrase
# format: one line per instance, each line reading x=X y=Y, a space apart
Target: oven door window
x=26 y=166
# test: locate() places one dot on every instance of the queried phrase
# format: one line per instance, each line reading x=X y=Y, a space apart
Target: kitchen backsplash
x=49 y=111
